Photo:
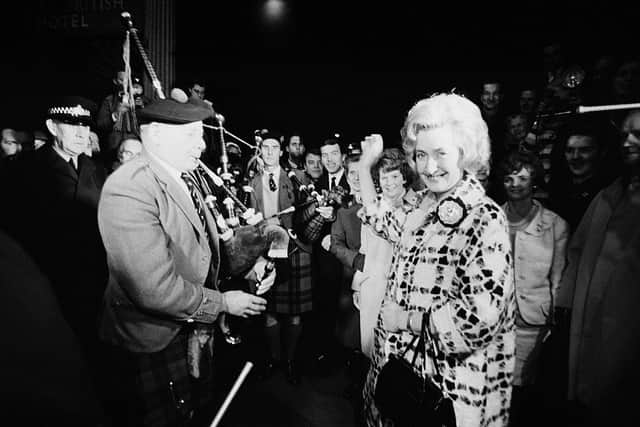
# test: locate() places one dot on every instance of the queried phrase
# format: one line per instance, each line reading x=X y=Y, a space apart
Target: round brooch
x=451 y=212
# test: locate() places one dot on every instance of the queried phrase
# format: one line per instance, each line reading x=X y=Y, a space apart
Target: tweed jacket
x=539 y=258
x=159 y=257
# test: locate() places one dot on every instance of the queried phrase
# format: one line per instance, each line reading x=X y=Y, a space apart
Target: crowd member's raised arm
x=371 y=150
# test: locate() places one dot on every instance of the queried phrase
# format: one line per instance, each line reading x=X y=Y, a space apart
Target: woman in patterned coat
x=451 y=261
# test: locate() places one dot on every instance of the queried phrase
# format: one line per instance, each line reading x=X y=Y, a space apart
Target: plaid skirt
x=292 y=293
x=155 y=389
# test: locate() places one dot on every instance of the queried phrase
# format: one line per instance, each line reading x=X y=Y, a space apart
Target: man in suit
x=327 y=269
x=162 y=298
x=273 y=192
x=53 y=215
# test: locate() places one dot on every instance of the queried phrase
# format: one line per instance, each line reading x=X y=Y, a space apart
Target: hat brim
x=76 y=121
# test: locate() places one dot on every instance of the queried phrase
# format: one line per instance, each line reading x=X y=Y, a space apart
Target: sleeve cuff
x=444 y=328
x=210 y=307
x=358 y=279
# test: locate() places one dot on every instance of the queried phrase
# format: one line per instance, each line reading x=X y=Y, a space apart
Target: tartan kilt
x=293 y=291
x=158 y=388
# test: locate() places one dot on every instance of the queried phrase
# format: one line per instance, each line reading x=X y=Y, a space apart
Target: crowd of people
x=507 y=235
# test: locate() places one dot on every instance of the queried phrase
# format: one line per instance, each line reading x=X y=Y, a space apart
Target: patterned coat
x=453 y=256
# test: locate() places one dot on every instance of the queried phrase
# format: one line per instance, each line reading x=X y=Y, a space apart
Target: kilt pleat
x=164 y=392
x=293 y=291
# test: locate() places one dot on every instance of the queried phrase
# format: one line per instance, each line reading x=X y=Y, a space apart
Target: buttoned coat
x=604 y=342
x=538 y=263
x=54 y=218
x=452 y=257
x=159 y=256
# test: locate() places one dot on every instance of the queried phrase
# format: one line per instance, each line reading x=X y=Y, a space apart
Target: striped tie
x=193 y=191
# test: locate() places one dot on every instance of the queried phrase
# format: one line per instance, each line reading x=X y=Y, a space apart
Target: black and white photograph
x=280 y=213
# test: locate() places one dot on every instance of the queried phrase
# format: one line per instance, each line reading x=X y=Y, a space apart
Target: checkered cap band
x=76 y=111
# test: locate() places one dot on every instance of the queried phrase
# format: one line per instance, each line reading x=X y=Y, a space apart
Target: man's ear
x=52 y=127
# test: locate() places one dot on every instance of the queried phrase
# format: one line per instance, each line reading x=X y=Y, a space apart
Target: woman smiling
x=451 y=263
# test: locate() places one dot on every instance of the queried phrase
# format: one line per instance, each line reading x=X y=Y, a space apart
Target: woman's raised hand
x=371 y=149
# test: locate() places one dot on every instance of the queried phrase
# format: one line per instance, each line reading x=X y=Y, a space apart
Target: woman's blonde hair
x=463 y=117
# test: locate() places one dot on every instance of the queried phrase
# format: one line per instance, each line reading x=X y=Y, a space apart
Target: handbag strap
x=422 y=339
x=420 y=345
x=429 y=338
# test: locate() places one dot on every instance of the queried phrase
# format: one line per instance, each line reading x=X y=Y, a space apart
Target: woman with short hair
x=451 y=266
x=539 y=242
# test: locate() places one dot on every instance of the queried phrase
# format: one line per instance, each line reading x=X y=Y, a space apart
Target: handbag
x=405 y=397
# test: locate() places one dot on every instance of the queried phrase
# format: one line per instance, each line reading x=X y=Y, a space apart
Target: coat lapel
x=177 y=193
x=58 y=164
x=257 y=193
x=343 y=182
x=89 y=183
x=285 y=193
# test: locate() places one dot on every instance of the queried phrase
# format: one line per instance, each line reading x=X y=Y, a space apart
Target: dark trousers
x=319 y=337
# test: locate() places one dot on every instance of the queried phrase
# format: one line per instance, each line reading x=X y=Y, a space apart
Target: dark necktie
x=73 y=165
x=272 y=183
x=193 y=191
x=333 y=183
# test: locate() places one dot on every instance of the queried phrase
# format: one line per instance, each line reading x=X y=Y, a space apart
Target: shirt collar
x=173 y=172
x=65 y=156
x=275 y=172
x=338 y=176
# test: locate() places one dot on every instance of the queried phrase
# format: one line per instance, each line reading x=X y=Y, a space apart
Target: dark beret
x=73 y=110
x=175 y=111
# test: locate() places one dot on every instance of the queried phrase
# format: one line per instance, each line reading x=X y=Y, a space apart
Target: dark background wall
x=348 y=67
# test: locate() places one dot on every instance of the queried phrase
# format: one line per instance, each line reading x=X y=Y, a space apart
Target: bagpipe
x=244 y=234
x=312 y=199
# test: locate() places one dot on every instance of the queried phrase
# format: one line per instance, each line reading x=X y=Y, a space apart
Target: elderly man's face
x=180 y=146
x=631 y=140
x=129 y=149
x=313 y=165
x=9 y=144
x=70 y=139
x=491 y=96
